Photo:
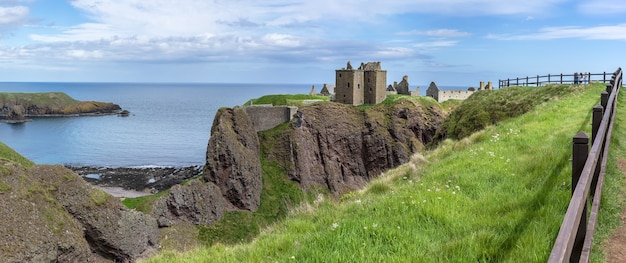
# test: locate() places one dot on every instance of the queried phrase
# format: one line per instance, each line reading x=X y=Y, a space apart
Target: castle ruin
x=365 y=85
x=443 y=95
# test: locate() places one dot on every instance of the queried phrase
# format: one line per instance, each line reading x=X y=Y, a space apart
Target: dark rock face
x=197 y=202
x=34 y=227
x=233 y=159
x=56 y=216
x=112 y=230
x=341 y=148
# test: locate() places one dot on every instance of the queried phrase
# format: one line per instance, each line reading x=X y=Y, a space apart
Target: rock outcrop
x=51 y=214
x=52 y=104
x=232 y=159
x=341 y=147
x=197 y=202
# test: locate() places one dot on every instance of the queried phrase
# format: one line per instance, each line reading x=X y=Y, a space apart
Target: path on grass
x=616 y=245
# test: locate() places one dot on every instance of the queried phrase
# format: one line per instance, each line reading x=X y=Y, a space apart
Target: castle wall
x=265 y=117
x=453 y=94
x=349 y=87
x=375 y=91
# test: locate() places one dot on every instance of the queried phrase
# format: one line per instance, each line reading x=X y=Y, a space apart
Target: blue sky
x=451 y=42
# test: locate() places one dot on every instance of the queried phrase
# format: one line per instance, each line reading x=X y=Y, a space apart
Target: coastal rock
x=35 y=228
x=196 y=202
x=340 y=147
x=111 y=230
x=52 y=104
x=232 y=159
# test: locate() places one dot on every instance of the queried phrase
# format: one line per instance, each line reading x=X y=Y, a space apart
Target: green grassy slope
x=8 y=154
x=498 y=195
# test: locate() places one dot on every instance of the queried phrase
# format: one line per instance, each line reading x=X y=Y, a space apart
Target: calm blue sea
x=169 y=124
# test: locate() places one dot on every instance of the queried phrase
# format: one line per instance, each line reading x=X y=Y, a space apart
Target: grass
x=53 y=102
x=285 y=99
x=487 y=107
x=8 y=154
x=613 y=197
x=498 y=195
x=144 y=203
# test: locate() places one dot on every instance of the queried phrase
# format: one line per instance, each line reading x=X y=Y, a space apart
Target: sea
x=169 y=124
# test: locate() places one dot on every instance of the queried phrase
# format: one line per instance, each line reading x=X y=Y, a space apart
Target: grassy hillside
x=42 y=103
x=285 y=99
x=8 y=154
x=498 y=195
x=52 y=99
x=486 y=108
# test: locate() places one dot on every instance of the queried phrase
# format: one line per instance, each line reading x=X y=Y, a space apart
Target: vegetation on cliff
x=497 y=195
x=50 y=103
x=487 y=107
x=285 y=99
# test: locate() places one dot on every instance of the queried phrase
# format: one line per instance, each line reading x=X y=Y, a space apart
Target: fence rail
x=575 y=238
x=552 y=79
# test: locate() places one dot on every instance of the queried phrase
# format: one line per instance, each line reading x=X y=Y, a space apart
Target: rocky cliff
x=50 y=104
x=232 y=161
x=341 y=147
x=335 y=146
x=50 y=214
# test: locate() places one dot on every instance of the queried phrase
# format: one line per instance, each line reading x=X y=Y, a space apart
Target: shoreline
x=134 y=180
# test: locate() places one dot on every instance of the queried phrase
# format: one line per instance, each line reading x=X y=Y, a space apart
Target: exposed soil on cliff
x=615 y=245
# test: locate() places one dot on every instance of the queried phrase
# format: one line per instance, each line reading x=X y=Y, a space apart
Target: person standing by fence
x=575 y=78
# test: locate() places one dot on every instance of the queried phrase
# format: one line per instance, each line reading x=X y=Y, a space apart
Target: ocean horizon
x=169 y=123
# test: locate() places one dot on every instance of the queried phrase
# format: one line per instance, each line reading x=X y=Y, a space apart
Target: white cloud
x=603 y=7
x=13 y=15
x=437 y=33
x=436 y=44
x=614 y=32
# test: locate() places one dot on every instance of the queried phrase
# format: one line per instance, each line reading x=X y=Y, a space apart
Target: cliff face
x=49 y=214
x=232 y=160
x=341 y=148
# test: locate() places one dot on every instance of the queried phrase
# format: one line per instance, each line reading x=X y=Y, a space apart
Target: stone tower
x=359 y=86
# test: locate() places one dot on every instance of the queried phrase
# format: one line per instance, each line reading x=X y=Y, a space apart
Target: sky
x=450 y=42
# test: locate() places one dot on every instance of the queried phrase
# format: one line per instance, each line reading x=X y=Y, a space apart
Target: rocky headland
x=17 y=107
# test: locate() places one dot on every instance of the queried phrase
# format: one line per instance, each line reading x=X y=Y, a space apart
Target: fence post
x=537 y=80
x=561 y=79
x=604 y=99
x=580 y=152
x=604 y=77
x=517 y=81
x=526 y=81
x=548 y=79
x=598 y=112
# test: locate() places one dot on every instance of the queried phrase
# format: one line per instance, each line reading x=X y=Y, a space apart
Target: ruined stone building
x=443 y=95
x=365 y=85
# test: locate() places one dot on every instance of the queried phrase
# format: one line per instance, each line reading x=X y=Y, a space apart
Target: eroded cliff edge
x=341 y=147
x=329 y=146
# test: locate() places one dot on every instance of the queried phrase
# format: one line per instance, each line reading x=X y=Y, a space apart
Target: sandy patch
x=121 y=192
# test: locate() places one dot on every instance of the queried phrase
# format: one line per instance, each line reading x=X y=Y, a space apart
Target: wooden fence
x=552 y=79
x=575 y=238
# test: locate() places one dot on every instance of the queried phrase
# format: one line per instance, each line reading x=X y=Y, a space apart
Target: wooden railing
x=553 y=79
x=575 y=238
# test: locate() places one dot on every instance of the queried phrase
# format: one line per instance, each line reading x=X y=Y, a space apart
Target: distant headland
x=17 y=107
